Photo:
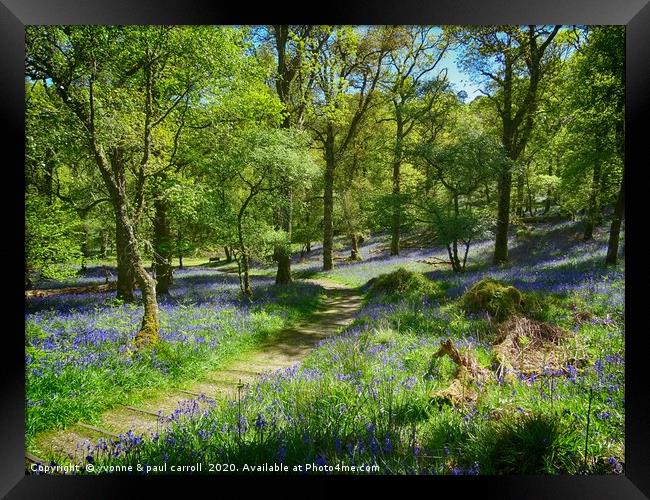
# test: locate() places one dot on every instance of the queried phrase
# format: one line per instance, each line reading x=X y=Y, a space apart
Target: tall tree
x=121 y=84
x=461 y=162
x=596 y=102
x=615 y=228
x=349 y=67
x=416 y=52
x=294 y=79
x=514 y=60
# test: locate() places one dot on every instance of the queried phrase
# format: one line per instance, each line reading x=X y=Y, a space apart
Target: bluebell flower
x=260 y=422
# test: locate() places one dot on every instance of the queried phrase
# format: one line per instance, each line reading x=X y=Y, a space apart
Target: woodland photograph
x=307 y=249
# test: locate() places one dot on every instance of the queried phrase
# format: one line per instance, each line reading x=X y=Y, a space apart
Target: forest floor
x=371 y=392
x=150 y=417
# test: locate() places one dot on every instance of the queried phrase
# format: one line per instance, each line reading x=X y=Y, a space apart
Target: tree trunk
x=549 y=191
x=328 y=202
x=244 y=279
x=503 y=218
x=519 y=206
x=129 y=258
x=150 y=326
x=285 y=75
x=283 y=275
x=281 y=254
x=354 y=252
x=228 y=253
x=453 y=259
x=615 y=229
x=103 y=249
x=529 y=197
x=162 y=246
x=179 y=248
x=467 y=244
x=85 y=253
x=453 y=254
x=518 y=121
x=246 y=282
x=397 y=208
x=592 y=209
x=125 y=275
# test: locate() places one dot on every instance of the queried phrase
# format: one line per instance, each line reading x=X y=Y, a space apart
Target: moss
x=149 y=333
x=404 y=283
x=499 y=300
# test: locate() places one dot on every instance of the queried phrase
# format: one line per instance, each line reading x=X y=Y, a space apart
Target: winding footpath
x=289 y=347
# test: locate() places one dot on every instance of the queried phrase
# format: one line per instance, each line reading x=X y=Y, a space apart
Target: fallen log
x=108 y=287
x=469 y=376
x=544 y=218
x=435 y=261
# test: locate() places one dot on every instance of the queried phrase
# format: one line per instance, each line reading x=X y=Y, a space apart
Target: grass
x=76 y=366
x=363 y=398
x=367 y=396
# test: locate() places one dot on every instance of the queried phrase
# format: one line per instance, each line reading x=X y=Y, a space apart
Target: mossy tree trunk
x=125 y=275
x=593 y=205
x=354 y=249
x=282 y=253
x=615 y=228
x=396 y=220
x=283 y=274
x=245 y=280
x=503 y=218
x=162 y=246
x=131 y=259
x=517 y=119
x=328 y=200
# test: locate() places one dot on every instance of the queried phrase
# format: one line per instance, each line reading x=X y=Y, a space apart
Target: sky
x=459 y=80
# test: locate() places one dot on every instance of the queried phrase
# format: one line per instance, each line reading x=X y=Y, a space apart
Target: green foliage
x=59 y=398
x=489 y=295
x=52 y=238
x=404 y=283
x=538 y=443
x=594 y=98
x=460 y=228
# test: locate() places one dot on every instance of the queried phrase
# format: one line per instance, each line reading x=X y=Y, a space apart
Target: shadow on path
x=287 y=348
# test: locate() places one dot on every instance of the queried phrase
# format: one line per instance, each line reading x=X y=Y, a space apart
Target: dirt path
x=290 y=347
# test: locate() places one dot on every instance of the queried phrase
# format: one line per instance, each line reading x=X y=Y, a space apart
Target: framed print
x=389 y=242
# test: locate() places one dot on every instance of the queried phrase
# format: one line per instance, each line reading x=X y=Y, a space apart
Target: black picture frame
x=16 y=14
